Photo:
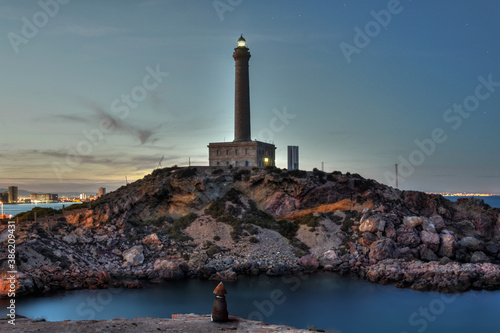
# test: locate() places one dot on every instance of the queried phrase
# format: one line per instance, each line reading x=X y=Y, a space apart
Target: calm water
x=493 y=201
x=15 y=209
x=324 y=301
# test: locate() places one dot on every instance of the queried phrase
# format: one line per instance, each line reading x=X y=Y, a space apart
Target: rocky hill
x=217 y=223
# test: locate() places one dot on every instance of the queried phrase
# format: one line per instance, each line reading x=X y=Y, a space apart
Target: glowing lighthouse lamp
x=242 y=42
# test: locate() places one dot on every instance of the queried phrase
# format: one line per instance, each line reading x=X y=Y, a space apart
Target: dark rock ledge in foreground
x=189 y=323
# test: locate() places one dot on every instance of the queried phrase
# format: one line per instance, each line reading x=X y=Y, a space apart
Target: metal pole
x=396 y=166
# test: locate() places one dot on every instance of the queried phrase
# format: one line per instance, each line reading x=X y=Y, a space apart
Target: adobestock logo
x=363 y=37
x=30 y=28
x=421 y=319
x=93 y=305
x=222 y=6
x=276 y=124
x=266 y=308
x=453 y=117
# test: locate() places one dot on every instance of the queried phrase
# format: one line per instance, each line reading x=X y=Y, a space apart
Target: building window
x=227 y=163
x=236 y=151
x=218 y=163
x=218 y=152
x=236 y=163
x=246 y=163
x=227 y=152
x=246 y=151
x=266 y=152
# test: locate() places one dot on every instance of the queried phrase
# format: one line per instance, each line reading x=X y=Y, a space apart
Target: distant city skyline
x=96 y=92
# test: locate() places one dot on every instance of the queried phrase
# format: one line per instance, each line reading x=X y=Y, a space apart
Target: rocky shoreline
x=189 y=323
x=216 y=224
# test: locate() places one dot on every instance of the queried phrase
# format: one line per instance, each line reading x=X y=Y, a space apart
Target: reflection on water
x=325 y=301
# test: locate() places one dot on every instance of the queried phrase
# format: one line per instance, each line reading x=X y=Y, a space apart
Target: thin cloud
x=109 y=159
x=67 y=117
x=143 y=135
x=119 y=125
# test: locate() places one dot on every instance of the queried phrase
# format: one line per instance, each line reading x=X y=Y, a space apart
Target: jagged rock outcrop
x=216 y=223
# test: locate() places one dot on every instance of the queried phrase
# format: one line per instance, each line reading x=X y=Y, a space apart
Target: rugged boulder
x=382 y=249
x=408 y=236
x=447 y=245
x=167 y=270
x=152 y=242
x=430 y=239
x=134 y=256
x=413 y=221
x=471 y=244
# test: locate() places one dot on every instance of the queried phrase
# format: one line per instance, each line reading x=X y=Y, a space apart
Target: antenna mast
x=396 y=167
x=159 y=163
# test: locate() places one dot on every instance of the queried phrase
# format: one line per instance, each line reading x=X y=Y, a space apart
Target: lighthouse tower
x=241 y=92
x=242 y=152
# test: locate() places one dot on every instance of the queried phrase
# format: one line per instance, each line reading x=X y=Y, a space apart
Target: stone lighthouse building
x=242 y=151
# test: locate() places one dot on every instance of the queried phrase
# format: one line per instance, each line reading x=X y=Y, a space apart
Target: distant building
x=101 y=191
x=12 y=194
x=242 y=152
x=44 y=197
x=293 y=157
x=4 y=197
x=83 y=197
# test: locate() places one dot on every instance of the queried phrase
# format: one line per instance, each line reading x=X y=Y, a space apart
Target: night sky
x=95 y=91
